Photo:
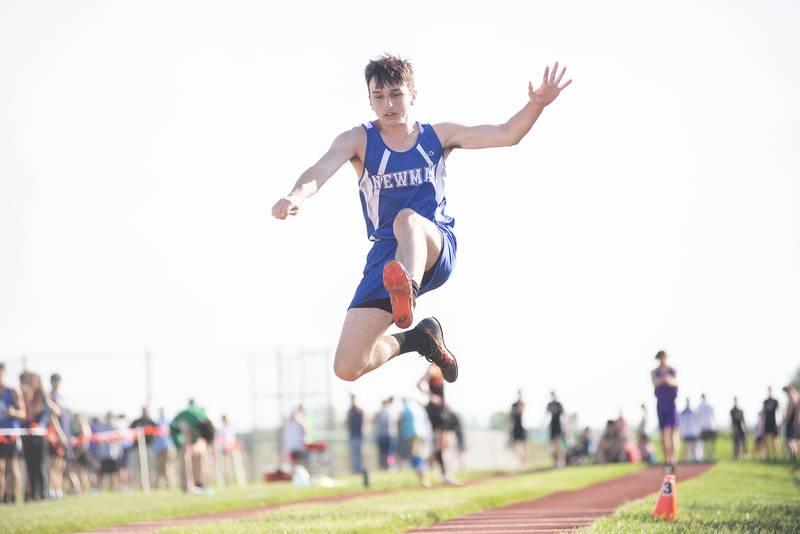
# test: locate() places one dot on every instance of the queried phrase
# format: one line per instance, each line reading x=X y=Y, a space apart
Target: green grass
x=733 y=497
x=86 y=512
x=408 y=509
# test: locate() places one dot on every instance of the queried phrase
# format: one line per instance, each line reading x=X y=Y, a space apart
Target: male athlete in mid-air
x=400 y=165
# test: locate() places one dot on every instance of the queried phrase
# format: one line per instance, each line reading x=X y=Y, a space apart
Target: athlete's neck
x=398 y=136
x=399 y=130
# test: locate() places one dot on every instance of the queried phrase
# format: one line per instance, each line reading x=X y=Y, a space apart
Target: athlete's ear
x=413 y=96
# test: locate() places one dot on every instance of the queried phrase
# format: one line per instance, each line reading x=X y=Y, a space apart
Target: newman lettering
x=407 y=178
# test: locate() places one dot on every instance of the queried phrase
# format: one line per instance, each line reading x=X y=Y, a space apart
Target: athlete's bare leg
x=363 y=343
x=419 y=242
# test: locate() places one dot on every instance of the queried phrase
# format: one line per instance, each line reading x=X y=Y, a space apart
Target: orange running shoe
x=397 y=282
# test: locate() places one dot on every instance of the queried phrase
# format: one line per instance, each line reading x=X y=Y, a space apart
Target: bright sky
x=653 y=205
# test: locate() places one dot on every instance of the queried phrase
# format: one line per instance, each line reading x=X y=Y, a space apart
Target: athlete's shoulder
x=354 y=134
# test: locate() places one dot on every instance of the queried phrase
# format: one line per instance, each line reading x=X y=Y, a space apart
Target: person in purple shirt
x=665 y=382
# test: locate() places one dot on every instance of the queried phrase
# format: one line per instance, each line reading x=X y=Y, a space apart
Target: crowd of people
x=47 y=450
x=692 y=432
x=414 y=434
x=64 y=451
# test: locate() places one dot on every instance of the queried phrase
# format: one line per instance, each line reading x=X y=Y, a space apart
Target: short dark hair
x=389 y=70
x=660 y=354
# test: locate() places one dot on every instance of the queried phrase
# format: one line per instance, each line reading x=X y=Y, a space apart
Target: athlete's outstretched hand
x=549 y=89
x=286 y=206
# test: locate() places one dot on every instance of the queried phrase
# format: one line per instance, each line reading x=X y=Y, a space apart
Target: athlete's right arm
x=343 y=149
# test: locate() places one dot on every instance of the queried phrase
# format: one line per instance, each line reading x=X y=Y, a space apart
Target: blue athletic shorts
x=371 y=286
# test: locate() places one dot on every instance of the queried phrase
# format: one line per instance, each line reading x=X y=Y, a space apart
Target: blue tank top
x=6 y=402
x=392 y=181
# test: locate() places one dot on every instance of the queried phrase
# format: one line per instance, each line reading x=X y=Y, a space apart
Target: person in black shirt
x=771 y=406
x=145 y=421
x=355 y=423
x=519 y=436
x=555 y=409
x=738 y=430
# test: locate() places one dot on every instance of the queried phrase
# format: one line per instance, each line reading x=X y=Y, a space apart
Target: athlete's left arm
x=454 y=135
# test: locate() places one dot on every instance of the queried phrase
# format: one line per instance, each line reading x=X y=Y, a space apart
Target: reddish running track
x=565 y=510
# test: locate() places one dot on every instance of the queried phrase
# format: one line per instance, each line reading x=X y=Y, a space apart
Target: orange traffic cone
x=667 y=503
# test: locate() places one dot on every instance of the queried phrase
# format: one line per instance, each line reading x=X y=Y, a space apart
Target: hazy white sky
x=654 y=204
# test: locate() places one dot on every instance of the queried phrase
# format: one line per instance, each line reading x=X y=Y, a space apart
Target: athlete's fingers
x=546 y=75
x=566 y=84
x=554 y=72
x=563 y=70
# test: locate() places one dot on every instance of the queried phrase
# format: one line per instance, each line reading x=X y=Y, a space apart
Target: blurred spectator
x=105 y=452
x=12 y=413
x=227 y=446
x=386 y=433
x=355 y=433
x=580 y=453
x=144 y=421
x=81 y=463
x=461 y=442
x=519 y=436
x=708 y=429
x=414 y=424
x=164 y=452
x=33 y=446
x=760 y=444
x=432 y=384
x=59 y=444
x=124 y=442
x=406 y=433
x=738 y=430
x=611 y=447
x=294 y=437
x=771 y=406
x=792 y=420
x=690 y=432
x=193 y=435
x=647 y=450
x=665 y=382
x=556 y=411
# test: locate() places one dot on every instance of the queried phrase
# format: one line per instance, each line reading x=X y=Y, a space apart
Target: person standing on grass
x=771 y=432
x=738 y=430
x=386 y=433
x=665 y=382
x=792 y=421
x=556 y=411
x=355 y=434
x=519 y=435
x=12 y=414
x=164 y=451
x=432 y=384
x=33 y=446
x=708 y=429
x=690 y=433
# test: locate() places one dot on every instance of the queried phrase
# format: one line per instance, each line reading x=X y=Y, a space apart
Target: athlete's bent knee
x=346 y=372
x=404 y=218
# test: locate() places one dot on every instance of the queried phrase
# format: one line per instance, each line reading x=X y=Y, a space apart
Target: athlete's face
x=391 y=104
